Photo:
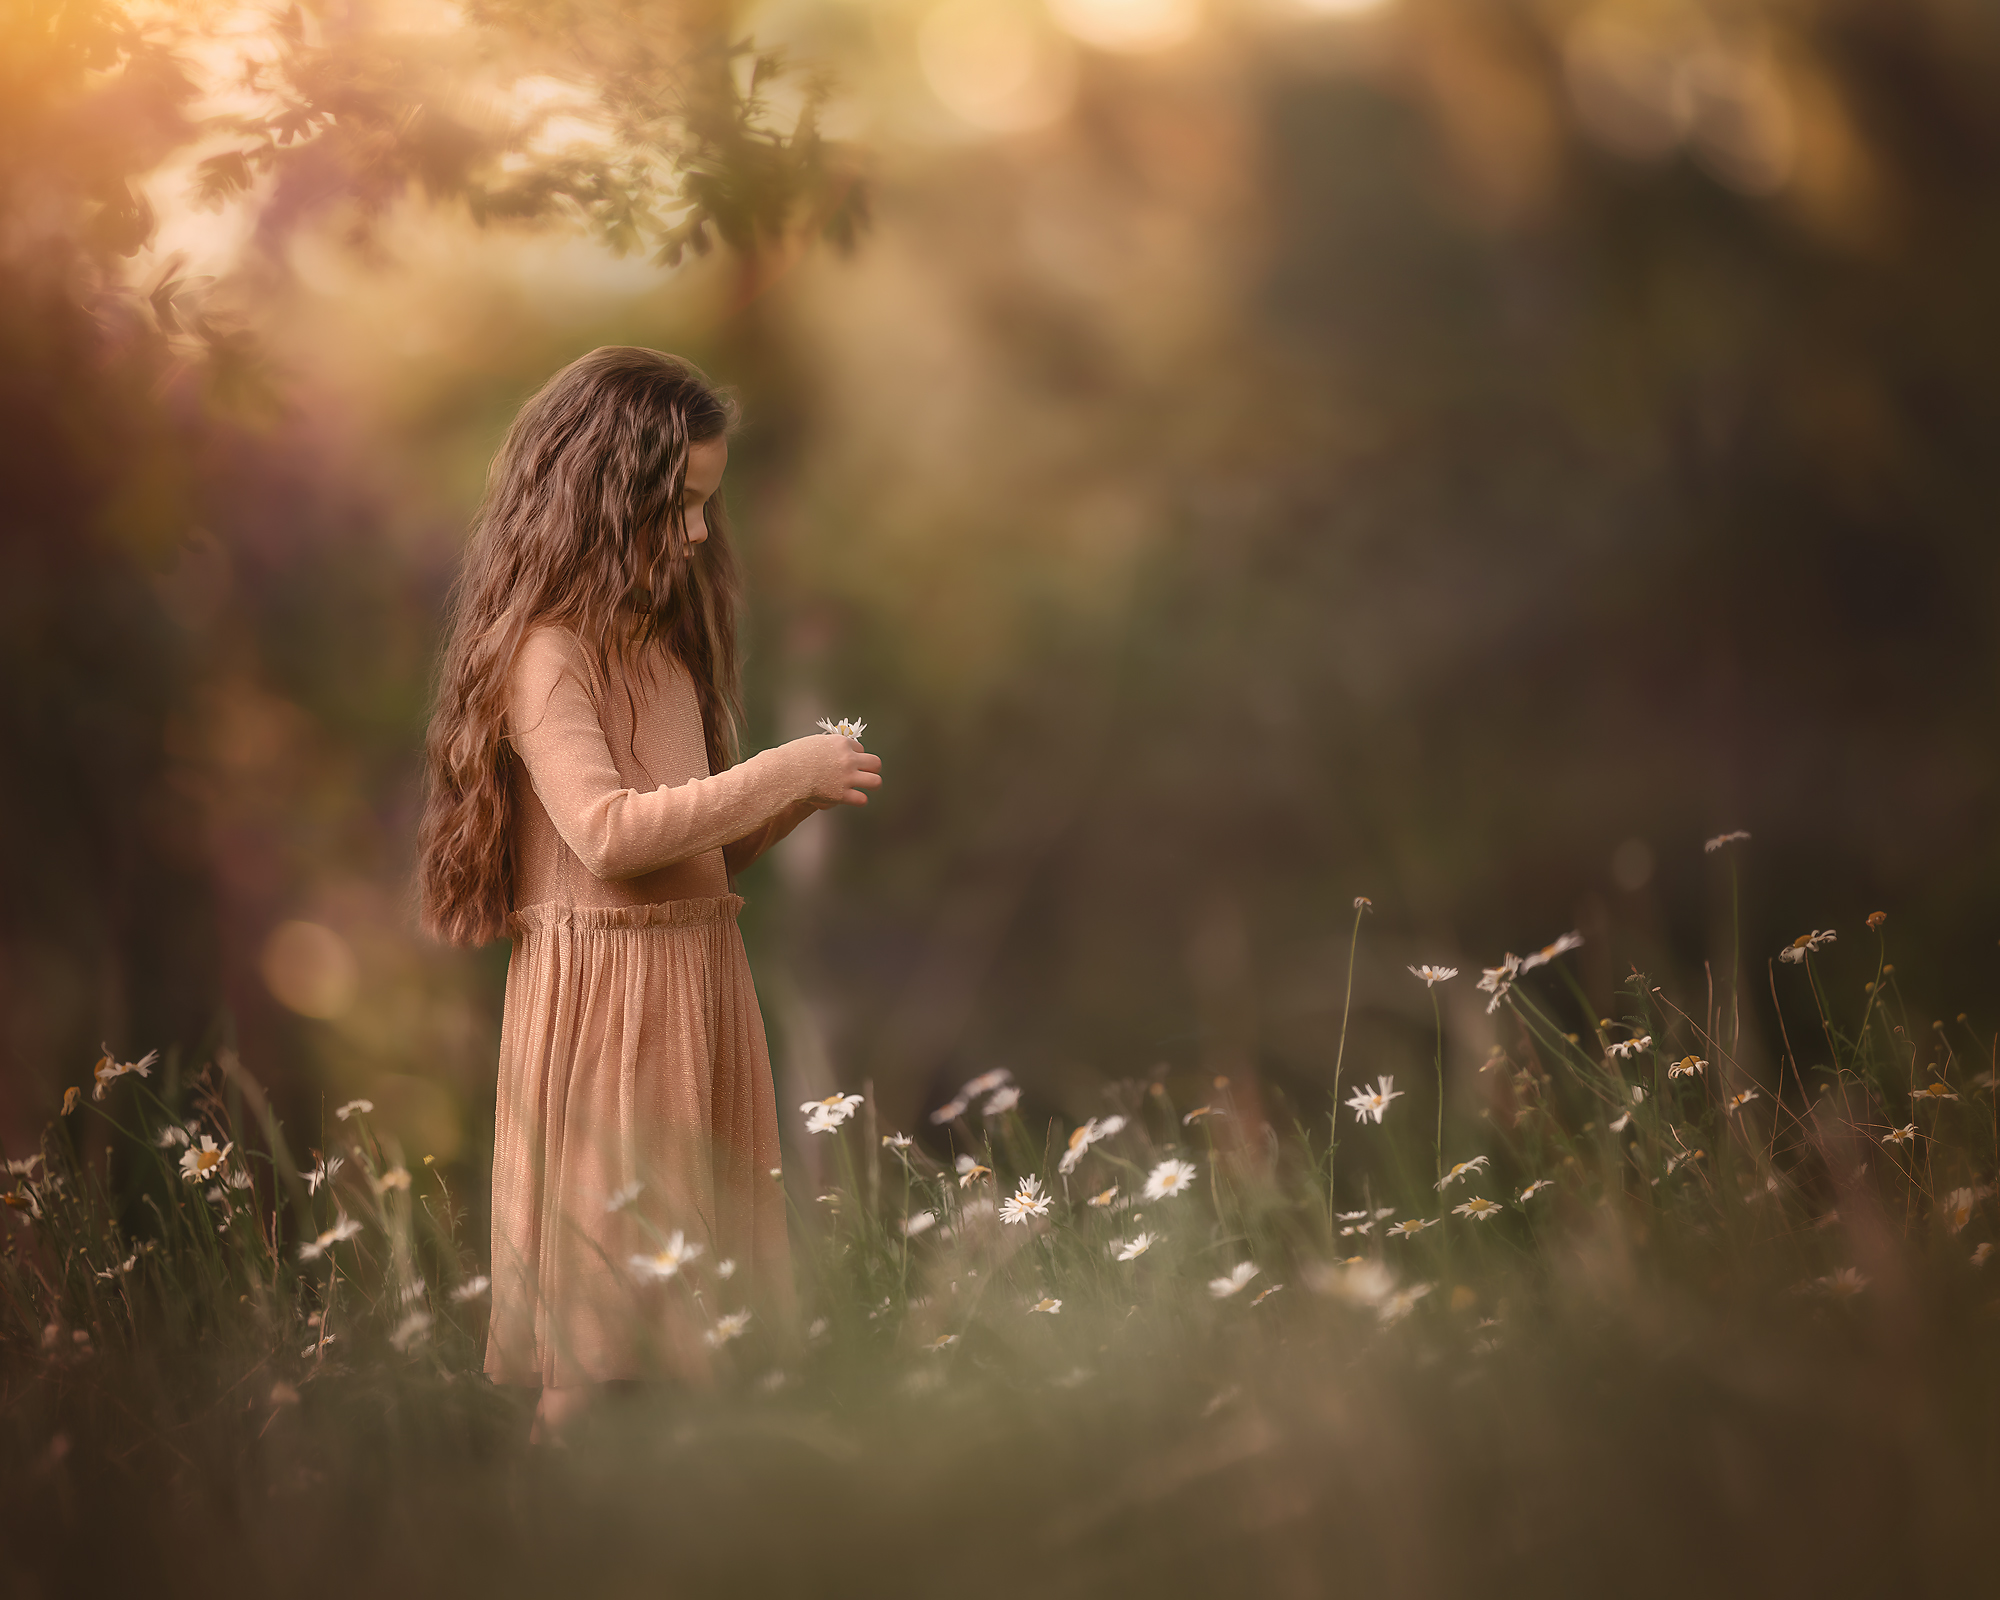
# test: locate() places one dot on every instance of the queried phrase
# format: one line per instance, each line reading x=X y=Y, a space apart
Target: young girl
x=585 y=798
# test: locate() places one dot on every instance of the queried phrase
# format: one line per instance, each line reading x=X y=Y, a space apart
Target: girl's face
x=706 y=459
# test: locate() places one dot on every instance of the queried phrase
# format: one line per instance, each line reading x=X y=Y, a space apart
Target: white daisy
x=1623 y=1049
x=1499 y=981
x=1265 y=1294
x=1548 y=952
x=1957 y=1209
x=943 y=1341
x=1686 y=1067
x=1806 y=944
x=1721 y=839
x=1903 y=1135
x=918 y=1222
x=822 y=1116
x=355 y=1108
x=1026 y=1201
x=727 y=1328
x=199 y=1162
x=325 y=1170
x=621 y=1197
x=344 y=1228
x=1133 y=1248
x=1003 y=1101
x=1413 y=1225
x=1536 y=1188
x=394 y=1178
x=1239 y=1275
x=1400 y=1304
x=1433 y=976
x=1936 y=1092
x=1103 y=1197
x=846 y=727
x=472 y=1289
x=1479 y=1208
x=1844 y=1284
x=169 y=1136
x=1168 y=1179
x=411 y=1329
x=1476 y=1164
x=951 y=1110
x=897 y=1141
x=1046 y=1305
x=110 y=1070
x=1738 y=1102
x=665 y=1263
x=1370 y=1104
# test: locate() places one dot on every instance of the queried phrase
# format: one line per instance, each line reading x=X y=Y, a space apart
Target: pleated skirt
x=635 y=1101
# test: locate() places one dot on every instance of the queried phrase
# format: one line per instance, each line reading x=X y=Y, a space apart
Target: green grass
x=1768 y=1366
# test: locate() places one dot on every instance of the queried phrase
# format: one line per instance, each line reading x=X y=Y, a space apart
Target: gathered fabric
x=634 y=1100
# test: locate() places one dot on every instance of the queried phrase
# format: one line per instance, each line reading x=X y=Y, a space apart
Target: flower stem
x=1437 y=1147
x=1340 y=1055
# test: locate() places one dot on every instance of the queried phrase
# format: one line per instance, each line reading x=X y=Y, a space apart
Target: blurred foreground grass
x=1672 y=1324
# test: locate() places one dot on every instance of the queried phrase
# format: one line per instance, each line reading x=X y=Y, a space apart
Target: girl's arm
x=621 y=832
x=738 y=854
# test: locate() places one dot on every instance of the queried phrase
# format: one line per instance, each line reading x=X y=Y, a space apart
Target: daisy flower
x=943 y=1341
x=1479 y=1208
x=1026 y=1201
x=1957 y=1209
x=986 y=1083
x=394 y=1178
x=1548 y=952
x=1937 y=1091
x=1371 y=1103
x=897 y=1141
x=1168 y=1179
x=970 y=1171
x=1133 y=1248
x=1046 y=1305
x=823 y=1116
x=1239 y=1275
x=1353 y=1228
x=199 y=1162
x=1844 y=1284
x=919 y=1222
x=110 y=1070
x=169 y=1136
x=1536 y=1188
x=846 y=727
x=1499 y=981
x=726 y=1328
x=950 y=1111
x=1806 y=944
x=25 y=1166
x=412 y=1328
x=1739 y=1101
x=1356 y=1216
x=1433 y=976
x=725 y=1269
x=325 y=1170
x=1903 y=1135
x=1411 y=1227
x=1721 y=839
x=1400 y=1304
x=618 y=1199
x=665 y=1263
x=344 y=1228
x=1476 y=1164
x=355 y=1108
x=1264 y=1294
x=472 y=1289
x=1103 y=1197
x=1686 y=1067
x=1003 y=1101
x=1624 y=1049
x=1979 y=1254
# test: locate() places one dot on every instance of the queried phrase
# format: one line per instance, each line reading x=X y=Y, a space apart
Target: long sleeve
x=739 y=854
x=614 y=830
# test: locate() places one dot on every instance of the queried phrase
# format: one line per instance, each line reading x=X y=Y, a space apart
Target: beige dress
x=635 y=1093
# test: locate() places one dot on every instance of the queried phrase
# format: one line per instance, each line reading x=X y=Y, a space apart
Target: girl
x=585 y=798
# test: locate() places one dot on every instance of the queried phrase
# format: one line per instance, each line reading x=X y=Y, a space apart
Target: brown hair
x=582 y=514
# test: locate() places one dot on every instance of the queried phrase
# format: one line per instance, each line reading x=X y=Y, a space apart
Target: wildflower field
x=1637 y=1308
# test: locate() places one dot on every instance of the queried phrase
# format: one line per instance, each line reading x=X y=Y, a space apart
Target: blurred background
x=1235 y=456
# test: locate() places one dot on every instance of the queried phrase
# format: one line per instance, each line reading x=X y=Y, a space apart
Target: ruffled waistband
x=551 y=914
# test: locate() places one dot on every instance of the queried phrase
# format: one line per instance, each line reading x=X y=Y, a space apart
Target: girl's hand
x=842 y=771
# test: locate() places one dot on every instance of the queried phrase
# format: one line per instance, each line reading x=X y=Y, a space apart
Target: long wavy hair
x=582 y=517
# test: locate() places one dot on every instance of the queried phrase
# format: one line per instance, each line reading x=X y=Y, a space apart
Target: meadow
x=1631 y=1310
